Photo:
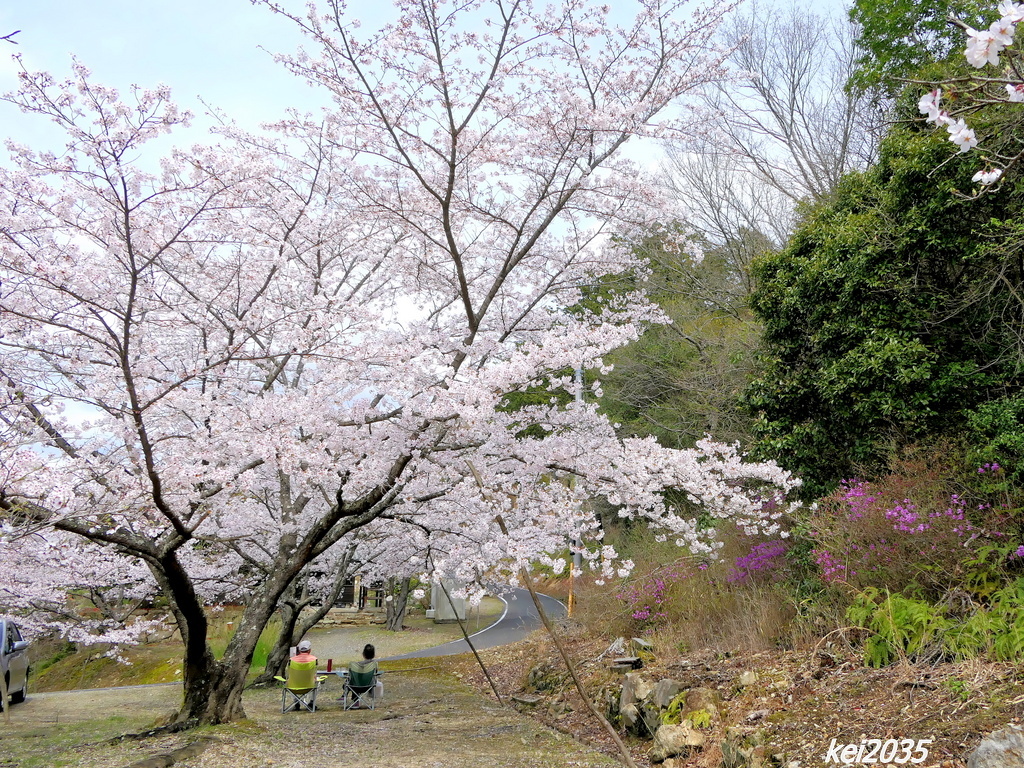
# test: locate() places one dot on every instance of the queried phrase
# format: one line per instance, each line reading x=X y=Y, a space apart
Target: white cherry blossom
x=285 y=340
x=1011 y=11
x=1002 y=31
x=982 y=48
x=929 y=105
x=961 y=135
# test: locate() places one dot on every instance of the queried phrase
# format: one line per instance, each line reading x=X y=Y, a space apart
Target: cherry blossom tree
x=225 y=365
x=46 y=567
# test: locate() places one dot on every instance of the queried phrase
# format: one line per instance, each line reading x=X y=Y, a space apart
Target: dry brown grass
x=702 y=608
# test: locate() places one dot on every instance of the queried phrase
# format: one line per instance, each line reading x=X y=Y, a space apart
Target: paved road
x=519 y=619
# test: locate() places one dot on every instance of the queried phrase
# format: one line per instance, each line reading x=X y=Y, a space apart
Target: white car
x=13 y=661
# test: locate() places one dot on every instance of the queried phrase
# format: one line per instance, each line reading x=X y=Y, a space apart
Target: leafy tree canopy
x=901 y=38
x=682 y=380
x=886 y=317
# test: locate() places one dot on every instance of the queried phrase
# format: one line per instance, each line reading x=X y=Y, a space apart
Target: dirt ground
x=797 y=702
x=426 y=720
x=443 y=717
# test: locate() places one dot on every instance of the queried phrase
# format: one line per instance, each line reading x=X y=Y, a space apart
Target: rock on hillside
x=779 y=709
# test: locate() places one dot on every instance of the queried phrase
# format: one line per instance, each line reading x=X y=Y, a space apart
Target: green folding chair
x=300 y=689
x=360 y=688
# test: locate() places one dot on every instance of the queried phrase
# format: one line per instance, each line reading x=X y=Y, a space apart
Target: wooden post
x=524 y=576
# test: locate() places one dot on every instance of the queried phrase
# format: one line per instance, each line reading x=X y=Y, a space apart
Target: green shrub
x=931 y=525
x=988 y=570
x=904 y=627
x=996 y=631
x=66 y=649
x=890 y=534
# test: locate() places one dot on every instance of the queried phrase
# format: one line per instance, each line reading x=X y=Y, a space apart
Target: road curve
x=519 y=619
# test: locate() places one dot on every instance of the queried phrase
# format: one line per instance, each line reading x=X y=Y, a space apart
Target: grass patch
x=45 y=745
x=71 y=668
x=688 y=603
x=65 y=650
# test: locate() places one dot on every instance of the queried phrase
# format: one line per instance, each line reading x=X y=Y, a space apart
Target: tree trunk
x=286 y=638
x=293 y=625
x=213 y=689
x=223 y=693
x=396 y=607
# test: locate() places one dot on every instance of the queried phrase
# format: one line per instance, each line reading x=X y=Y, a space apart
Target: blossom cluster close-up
x=984 y=48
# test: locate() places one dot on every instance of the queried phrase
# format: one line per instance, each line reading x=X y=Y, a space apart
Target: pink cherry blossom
x=986 y=177
x=224 y=367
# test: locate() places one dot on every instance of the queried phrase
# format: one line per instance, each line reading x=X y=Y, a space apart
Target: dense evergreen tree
x=884 y=320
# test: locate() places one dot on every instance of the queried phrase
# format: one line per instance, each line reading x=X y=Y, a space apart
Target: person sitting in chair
x=367 y=665
x=299 y=690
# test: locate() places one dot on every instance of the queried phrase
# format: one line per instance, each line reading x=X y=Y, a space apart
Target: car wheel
x=19 y=696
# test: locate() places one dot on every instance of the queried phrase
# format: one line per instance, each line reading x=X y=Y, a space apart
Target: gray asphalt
x=519 y=620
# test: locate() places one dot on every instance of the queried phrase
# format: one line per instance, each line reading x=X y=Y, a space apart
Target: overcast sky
x=214 y=49
x=207 y=48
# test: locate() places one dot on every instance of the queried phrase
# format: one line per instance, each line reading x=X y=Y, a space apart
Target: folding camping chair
x=360 y=689
x=299 y=690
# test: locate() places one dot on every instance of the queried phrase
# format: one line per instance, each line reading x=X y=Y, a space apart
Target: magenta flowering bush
x=647 y=599
x=906 y=529
x=765 y=562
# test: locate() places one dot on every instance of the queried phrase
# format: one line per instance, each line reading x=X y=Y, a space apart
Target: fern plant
x=672 y=714
x=700 y=718
x=900 y=627
x=903 y=627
